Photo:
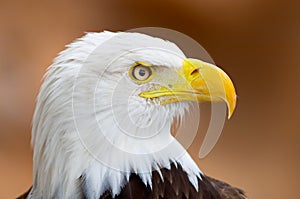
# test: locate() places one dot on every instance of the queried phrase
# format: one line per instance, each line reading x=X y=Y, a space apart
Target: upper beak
x=201 y=82
x=212 y=82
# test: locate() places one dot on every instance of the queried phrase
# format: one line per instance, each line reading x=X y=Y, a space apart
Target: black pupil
x=142 y=72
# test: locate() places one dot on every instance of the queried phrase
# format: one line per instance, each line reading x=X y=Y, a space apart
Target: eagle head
x=105 y=110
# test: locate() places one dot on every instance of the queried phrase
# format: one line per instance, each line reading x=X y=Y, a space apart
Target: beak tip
x=231 y=106
x=230 y=113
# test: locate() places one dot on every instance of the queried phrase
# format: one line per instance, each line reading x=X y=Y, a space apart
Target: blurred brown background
x=256 y=42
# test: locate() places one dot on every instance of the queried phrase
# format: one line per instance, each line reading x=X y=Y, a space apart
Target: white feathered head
x=106 y=108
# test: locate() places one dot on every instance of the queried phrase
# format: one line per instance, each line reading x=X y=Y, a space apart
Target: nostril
x=195 y=72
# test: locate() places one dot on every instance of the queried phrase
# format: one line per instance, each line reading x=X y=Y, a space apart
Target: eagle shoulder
x=225 y=190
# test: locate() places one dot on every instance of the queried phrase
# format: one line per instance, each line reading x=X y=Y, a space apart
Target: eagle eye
x=141 y=73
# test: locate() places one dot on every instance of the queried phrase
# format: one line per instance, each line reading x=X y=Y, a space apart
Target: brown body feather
x=175 y=185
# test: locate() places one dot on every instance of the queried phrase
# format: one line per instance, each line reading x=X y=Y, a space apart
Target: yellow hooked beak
x=197 y=81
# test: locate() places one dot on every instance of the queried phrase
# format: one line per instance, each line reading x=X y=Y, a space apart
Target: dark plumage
x=175 y=185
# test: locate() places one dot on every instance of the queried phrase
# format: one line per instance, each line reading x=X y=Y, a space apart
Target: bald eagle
x=102 y=123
